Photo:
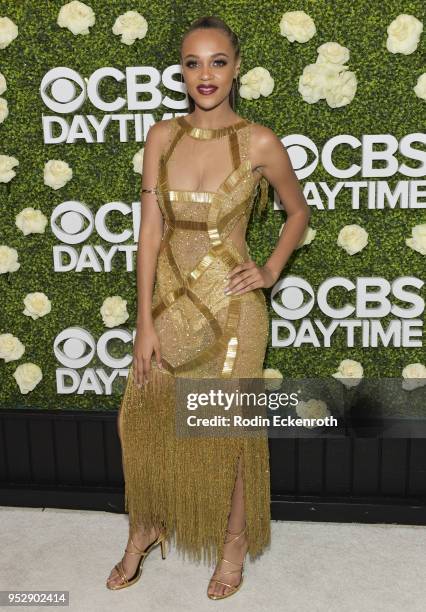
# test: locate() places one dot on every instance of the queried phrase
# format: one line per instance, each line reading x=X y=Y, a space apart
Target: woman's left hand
x=248 y=276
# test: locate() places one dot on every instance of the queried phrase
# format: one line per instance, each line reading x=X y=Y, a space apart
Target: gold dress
x=186 y=483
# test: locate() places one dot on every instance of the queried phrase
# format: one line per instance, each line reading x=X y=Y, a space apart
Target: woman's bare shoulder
x=159 y=132
x=264 y=143
x=262 y=135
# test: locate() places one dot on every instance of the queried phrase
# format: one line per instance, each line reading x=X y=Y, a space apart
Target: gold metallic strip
x=234 y=146
x=223 y=342
x=176 y=195
x=190 y=225
x=234 y=312
x=175 y=140
x=205 y=312
x=200 y=268
x=235 y=177
x=236 y=212
x=207 y=133
x=167 y=301
x=231 y=354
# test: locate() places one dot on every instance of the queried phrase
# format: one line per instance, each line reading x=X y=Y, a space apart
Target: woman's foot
x=233 y=551
x=142 y=540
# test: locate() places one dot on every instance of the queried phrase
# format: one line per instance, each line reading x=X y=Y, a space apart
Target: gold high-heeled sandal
x=233 y=588
x=160 y=539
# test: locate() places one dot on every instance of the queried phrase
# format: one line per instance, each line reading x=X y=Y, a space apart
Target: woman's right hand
x=146 y=342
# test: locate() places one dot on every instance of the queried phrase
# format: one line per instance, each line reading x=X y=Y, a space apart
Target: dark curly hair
x=216 y=22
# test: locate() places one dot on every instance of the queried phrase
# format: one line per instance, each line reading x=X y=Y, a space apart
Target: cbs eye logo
x=294 y=304
x=68 y=220
x=300 y=148
x=78 y=347
x=63 y=97
x=75 y=348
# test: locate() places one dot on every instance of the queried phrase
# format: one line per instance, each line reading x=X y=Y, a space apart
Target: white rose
x=3 y=85
x=312 y=409
x=352 y=238
x=404 y=34
x=27 y=375
x=272 y=378
x=11 y=348
x=8 y=259
x=130 y=26
x=349 y=372
x=306 y=238
x=57 y=173
x=420 y=87
x=332 y=53
x=138 y=161
x=343 y=90
x=256 y=82
x=31 y=221
x=37 y=305
x=4 y=110
x=415 y=376
x=7 y=162
x=76 y=16
x=114 y=311
x=297 y=26
x=418 y=239
x=318 y=79
x=8 y=32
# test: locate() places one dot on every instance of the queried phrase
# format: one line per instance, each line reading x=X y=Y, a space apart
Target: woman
x=201 y=173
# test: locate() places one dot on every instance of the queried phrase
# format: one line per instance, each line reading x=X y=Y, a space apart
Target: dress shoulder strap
x=174 y=134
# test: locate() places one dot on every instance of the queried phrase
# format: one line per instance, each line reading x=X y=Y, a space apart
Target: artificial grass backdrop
x=103 y=172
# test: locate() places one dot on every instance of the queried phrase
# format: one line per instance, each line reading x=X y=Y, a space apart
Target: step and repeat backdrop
x=342 y=84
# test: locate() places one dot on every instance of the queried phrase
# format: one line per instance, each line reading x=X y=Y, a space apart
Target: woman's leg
x=141 y=537
x=234 y=551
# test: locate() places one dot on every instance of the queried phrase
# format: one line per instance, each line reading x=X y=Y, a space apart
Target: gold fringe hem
x=185 y=484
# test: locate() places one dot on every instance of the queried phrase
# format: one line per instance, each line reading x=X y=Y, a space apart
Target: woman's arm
x=275 y=165
x=151 y=224
x=273 y=161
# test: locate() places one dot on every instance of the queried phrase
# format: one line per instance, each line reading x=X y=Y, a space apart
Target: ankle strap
x=235 y=534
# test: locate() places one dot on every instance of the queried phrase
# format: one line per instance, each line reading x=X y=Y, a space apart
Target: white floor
x=310 y=567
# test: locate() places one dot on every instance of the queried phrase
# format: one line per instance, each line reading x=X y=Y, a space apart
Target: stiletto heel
x=163 y=548
x=233 y=588
x=126 y=582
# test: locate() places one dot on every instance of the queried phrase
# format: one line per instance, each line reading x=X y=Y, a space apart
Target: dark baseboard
x=72 y=459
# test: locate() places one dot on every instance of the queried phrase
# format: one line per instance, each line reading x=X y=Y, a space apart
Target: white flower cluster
x=255 y=83
x=349 y=373
x=404 y=37
x=353 y=238
x=27 y=375
x=8 y=32
x=4 y=109
x=78 y=17
x=329 y=78
x=114 y=311
x=312 y=409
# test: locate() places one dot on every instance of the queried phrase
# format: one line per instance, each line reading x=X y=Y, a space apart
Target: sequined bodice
x=196 y=216
x=203 y=239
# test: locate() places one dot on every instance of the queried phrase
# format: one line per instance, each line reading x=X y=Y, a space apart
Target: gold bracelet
x=150 y=190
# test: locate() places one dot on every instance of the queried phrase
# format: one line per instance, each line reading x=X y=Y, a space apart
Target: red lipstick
x=206 y=89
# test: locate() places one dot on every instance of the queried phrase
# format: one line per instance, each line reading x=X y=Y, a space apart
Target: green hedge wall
x=384 y=103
